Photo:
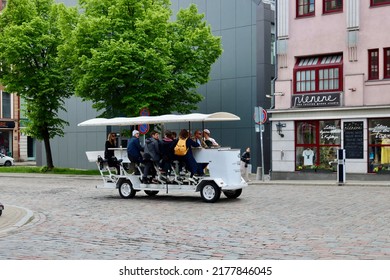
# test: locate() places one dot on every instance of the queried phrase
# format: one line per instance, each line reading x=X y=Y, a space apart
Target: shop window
x=316 y=144
x=6 y=142
x=386 y=63
x=305 y=8
x=379 y=2
x=318 y=74
x=379 y=145
x=331 y=6
x=373 y=64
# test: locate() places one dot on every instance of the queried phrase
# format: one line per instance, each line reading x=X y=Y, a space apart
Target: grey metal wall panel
x=186 y=3
x=213 y=97
x=243 y=13
x=175 y=9
x=244 y=102
x=228 y=14
x=213 y=14
x=202 y=106
x=215 y=72
x=244 y=51
x=228 y=94
x=68 y=2
x=228 y=61
x=253 y=50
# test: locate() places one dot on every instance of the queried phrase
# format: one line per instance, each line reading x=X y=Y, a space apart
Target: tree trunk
x=49 y=158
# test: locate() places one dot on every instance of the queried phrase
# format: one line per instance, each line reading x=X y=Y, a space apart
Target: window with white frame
x=305 y=8
x=318 y=74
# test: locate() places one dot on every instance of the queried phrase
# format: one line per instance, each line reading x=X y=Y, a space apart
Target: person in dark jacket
x=109 y=153
x=134 y=150
x=167 y=155
x=152 y=155
x=245 y=160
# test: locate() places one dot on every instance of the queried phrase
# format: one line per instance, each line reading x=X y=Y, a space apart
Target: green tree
x=30 y=34
x=128 y=54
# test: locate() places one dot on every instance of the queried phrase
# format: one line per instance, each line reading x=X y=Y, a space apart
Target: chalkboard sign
x=353 y=139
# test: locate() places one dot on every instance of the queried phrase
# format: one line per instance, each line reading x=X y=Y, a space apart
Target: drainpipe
x=18 y=131
x=276 y=56
x=274 y=79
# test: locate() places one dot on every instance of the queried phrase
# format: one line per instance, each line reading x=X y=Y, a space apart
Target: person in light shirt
x=211 y=143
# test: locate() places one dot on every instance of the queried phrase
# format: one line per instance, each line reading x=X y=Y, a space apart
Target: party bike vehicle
x=223 y=163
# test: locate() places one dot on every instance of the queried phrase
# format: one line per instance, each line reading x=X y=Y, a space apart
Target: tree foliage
x=30 y=34
x=128 y=54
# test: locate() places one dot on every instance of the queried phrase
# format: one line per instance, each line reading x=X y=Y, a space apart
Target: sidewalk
x=14 y=217
x=25 y=163
x=253 y=181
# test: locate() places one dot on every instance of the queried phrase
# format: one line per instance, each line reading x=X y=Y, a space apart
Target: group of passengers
x=160 y=153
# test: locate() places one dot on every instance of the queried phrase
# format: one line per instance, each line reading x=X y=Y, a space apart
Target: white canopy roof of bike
x=171 y=118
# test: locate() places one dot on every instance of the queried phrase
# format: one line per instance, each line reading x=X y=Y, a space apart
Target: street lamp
x=279 y=127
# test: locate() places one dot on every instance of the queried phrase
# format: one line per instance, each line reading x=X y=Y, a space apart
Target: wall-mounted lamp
x=352 y=89
x=279 y=127
x=275 y=94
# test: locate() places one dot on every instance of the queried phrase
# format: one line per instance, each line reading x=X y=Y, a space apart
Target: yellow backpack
x=181 y=148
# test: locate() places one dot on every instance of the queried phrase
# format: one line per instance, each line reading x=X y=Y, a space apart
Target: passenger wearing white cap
x=211 y=143
x=134 y=149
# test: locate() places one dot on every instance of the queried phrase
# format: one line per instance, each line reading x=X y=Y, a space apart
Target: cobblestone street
x=73 y=220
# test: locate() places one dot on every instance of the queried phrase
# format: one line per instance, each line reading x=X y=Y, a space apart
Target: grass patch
x=43 y=170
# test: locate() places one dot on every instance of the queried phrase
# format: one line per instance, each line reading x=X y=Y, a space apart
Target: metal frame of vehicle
x=223 y=163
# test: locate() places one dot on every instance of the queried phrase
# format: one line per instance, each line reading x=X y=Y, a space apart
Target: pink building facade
x=332 y=89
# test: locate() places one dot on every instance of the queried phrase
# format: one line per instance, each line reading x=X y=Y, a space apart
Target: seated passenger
x=152 y=155
x=167 y=155
x=187 y=157
x=199 y=139
x=211 y=143
x=109 y=153
x=134 y=150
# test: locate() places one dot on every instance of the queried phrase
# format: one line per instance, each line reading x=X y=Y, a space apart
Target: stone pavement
x=65 y=217
x=13 y=218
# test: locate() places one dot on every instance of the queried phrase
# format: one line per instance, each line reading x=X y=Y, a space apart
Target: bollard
x=258 y=173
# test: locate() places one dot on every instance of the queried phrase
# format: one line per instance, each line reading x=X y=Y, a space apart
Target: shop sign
x=330 y=133
x=381 y=131
x=4 y=124
x=353 y=139
x=316 y=100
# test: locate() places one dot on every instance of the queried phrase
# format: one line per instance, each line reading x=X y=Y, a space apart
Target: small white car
x=6 y=160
